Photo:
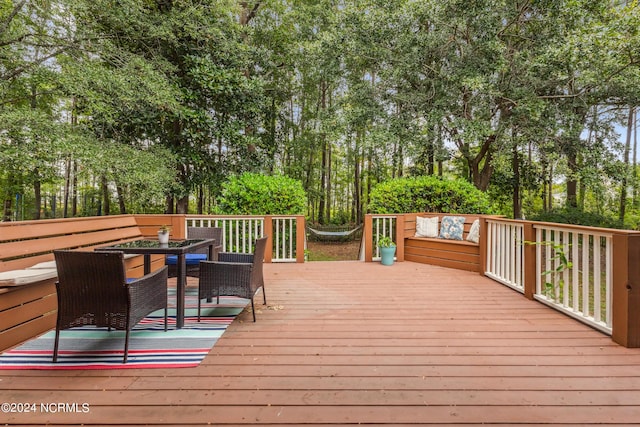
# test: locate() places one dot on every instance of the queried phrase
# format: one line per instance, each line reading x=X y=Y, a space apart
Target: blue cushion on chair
x=192 y=259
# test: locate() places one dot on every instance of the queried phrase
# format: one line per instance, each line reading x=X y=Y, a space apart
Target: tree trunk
x=67 y=187
x=329 y=187
x=121 y=205
x=431 y=157
x=550 y=190
x=635 y=158
x=627 y=149
x=323 y=182
x=169 y=205
x=515 y=164
x=183 y=205
x=324 y=148
x=200 y=199
x=74 y=191
x=572 y=181
x=106 y=202
x=357 y=181
x=481 y=175
x=37 y=199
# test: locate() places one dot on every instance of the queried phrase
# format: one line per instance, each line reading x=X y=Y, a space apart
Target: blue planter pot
x=386 y=255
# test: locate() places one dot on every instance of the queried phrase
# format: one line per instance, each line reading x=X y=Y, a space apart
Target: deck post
x=482 y=242
x=300 y=238
x=367 y=235
x=626 y=290
x=530 y=262
x=400 y=238
x=268 y=231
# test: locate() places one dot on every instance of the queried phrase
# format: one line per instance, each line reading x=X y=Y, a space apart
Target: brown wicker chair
x=233 y=274
x=193 y=259
x=93 y=290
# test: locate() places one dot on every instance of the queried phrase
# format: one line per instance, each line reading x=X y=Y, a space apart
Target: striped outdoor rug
x=90 y=347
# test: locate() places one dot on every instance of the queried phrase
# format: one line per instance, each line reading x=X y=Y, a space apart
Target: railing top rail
x=225 y=216
x=583 y=229
x=500 y=219
x=563 y=227
x=204 y=216
x=62 y=220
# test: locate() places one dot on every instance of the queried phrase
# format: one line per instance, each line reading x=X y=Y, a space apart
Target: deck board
x=347 y=342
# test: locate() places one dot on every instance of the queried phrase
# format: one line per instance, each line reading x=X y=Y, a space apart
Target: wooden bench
x=28 y=300
x=460 y=254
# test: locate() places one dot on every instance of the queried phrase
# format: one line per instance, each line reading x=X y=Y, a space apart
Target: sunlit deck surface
x=348 y=342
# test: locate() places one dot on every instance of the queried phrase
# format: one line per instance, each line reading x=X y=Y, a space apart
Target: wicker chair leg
x=264 y=296
x=166 y=315
x=126 y=346
x=199 y=305
x=253 y=310
x=55 y=346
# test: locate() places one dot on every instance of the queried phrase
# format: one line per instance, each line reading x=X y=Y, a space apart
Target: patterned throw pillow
x=474 y=232
x=452 y=227
x=426 y=227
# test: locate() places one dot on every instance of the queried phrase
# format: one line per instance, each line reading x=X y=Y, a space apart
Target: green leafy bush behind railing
x=255 y=194
x=428 y=194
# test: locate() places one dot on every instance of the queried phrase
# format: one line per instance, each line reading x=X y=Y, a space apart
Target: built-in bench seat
x=461 y=254
x=27 y=270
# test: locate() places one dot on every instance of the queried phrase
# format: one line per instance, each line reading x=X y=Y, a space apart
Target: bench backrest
x=410 y=221
x=25 y=243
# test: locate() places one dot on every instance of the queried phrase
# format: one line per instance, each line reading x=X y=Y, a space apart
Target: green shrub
x=427 y=194
x=255 y=194
x=577 y=217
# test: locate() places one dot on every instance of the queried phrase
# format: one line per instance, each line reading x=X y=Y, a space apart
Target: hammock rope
x=334 y=234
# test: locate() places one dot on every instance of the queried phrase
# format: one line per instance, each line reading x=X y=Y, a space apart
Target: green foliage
x=255 y=194
x=456 y=88
x=555 y=283
x=578 y=217
x=385 y=242
x=427 y=194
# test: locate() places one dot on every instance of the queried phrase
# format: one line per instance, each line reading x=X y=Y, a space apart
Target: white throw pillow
x=427 y=227
x=474 y=232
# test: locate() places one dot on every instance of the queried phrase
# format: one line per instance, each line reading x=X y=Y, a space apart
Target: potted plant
x=387 y=250
x=163 y=234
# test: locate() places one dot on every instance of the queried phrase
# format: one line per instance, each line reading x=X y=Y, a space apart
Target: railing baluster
x=597 y=280
x=577 y=265
x=565 y=282
x=609 y=278
x=586 y=285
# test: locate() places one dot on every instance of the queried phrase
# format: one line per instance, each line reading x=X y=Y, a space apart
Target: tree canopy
x=151 y=105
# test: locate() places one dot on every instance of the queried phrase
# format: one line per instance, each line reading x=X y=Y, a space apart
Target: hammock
x=333 y=235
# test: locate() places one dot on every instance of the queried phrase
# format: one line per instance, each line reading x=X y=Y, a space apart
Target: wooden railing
x=505 y=252
x=377 y=227
x=591 y=274
x=286 y=233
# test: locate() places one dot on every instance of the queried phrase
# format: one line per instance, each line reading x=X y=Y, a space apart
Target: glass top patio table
x=175 y=247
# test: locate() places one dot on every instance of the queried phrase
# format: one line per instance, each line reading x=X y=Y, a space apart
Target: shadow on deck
x=349 y=342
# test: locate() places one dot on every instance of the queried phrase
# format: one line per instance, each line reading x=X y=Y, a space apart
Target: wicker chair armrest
x=153 y=279
x=226 y=268
x=217 y=250
x=149 y=293
x=226 y=278
x=235 y=257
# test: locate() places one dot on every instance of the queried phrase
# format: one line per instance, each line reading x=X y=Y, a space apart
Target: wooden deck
x=348 y=342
